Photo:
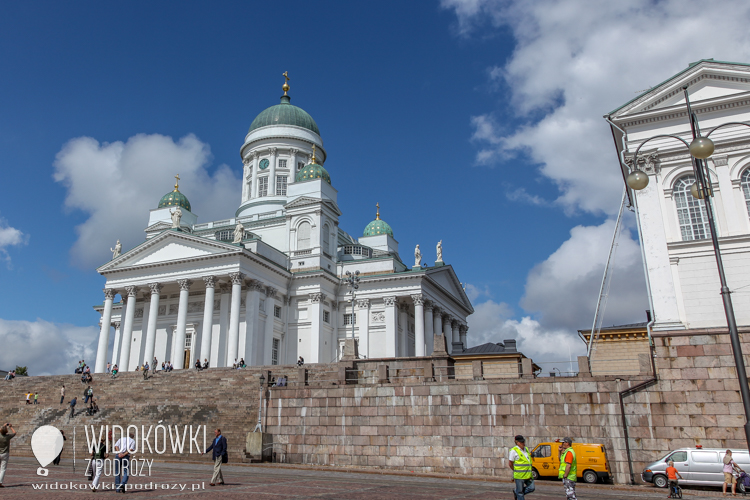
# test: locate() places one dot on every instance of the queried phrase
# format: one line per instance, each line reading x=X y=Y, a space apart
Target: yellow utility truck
x=592 y=461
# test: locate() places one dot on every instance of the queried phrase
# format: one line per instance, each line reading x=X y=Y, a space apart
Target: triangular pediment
x=445 y=277
x=708 y=81
x=307 y=201
x=169 y=247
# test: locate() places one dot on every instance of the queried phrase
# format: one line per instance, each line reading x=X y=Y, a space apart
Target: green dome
x=377 y=227
x=284 y=114
x=174 y=199
x=312 y=171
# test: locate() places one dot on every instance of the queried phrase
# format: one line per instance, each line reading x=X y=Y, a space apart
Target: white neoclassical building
x=679 y=257
x=267 y=284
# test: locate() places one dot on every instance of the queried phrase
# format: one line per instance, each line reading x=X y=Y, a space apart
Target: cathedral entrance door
x=188 y=347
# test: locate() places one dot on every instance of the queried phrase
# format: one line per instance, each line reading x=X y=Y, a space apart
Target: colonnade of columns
x=258 y=346
x=250 y=190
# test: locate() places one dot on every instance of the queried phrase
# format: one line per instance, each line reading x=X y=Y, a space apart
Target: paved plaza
x=270 y=482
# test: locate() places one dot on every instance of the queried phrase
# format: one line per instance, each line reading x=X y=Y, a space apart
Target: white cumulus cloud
x=116 y=184
x=45 y=348
x=9 y=237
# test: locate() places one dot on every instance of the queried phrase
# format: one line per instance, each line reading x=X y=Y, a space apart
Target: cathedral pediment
x=306 y=201
x=710 y=82
x=445 y=277
x=169 y=247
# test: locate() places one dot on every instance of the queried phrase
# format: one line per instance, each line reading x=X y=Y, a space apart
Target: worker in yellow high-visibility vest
x=568 y=468
x=519 y=460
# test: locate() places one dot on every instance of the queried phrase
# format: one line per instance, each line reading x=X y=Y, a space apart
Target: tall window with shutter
x=303 y=236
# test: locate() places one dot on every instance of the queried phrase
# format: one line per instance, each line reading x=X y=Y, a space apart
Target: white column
x=245 y=179
x=390 y=326
x=419 y=333
x=219 y=344
x=447 y=318
x=254 y=181
x=233 y=336
x=437 y=324
x=293 y=166
x=272 y=174
x=208 y=318
x=335 y=325
x=178 y=342
x=118 y=334
x=102 y=348
x=252 y=312
x=153 y=317
x=127 y=330
x=462 y=331
x=268 y=342
x=364 y=327
x=454 y=326
x=287 y=339
x=403 y=350
x=316 y=325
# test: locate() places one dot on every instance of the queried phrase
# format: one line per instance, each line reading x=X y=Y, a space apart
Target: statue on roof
x=439 y=251
x=239 y=232
x=176 y=216
x=417 y=257
x=116 y=251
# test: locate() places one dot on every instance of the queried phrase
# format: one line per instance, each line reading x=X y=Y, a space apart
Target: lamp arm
x=661 y=136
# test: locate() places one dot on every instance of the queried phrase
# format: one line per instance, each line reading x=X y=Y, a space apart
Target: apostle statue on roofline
x=417 y=257
x=440 y=251
x=176 y=216
x=239 y=232
x=116 y=251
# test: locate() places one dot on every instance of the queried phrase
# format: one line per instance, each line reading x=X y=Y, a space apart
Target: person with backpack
x=519 y=461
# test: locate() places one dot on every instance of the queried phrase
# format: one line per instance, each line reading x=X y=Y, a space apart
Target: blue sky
x=453 y=116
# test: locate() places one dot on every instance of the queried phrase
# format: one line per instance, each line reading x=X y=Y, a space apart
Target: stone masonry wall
x=411 y=414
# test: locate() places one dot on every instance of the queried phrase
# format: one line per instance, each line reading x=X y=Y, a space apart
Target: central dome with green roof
x=284 y=114
x=175 y=198
x=378 y=226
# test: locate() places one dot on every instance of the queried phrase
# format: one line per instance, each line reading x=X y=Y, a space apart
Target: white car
x=697 y=466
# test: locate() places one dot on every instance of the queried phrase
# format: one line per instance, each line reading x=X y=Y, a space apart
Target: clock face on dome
x=263 y=164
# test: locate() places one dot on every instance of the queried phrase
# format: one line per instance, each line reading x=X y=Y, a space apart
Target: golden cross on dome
x=377 y=215
x=177 y=182
x=313 y=160
x=285 y=87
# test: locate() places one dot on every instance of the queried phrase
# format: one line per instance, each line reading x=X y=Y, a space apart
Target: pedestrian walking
x=568 y=468
x=72 y=406
x=36 y=398
x=519 y=461
x=56 y=461
x=123 y=449
x=146 y=369
x=219 y=448
x=62 y=394
x=7 y=432
x=88 y=394
x=730 y=466
x=155 y=365
x=97 y=462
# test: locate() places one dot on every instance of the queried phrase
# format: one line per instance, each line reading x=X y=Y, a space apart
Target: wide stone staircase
x=218 y=397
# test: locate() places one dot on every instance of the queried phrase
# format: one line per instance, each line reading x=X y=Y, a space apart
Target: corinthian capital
x=184 y=285
x=272 y=151
x=131 y=291
x=389 y=301
x=318 y=297
x=109 y=293
x=210 y=281
x=417 y=299
x=237 y=278
x=363 y=303
x=155 y=288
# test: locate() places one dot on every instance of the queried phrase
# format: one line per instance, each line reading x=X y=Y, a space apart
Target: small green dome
x=174 y=199
x=377 y=227
x=313 y=171
x=284 y=114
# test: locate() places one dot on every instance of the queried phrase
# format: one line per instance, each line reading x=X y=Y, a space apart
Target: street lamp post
x=352 y=281
x=700 y=149
x=259 y=425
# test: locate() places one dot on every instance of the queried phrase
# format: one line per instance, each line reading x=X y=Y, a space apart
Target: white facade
x=191 y=294
x=679 y=256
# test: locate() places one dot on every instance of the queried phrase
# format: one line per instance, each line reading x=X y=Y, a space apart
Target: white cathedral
x=270 y=283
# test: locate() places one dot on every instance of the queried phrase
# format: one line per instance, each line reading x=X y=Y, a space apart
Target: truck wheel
x=660 y=481
x=534 y=474
x=590 y=476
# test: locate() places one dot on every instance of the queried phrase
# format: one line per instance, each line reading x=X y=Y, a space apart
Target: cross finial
x=377 y=215
x=313 y=160
x=177 y=182
x=285 y=87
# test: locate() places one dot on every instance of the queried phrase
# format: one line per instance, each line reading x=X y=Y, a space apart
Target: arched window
x=691 y=213
x=326 y=239
x=746 y=188
x=303 y=236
